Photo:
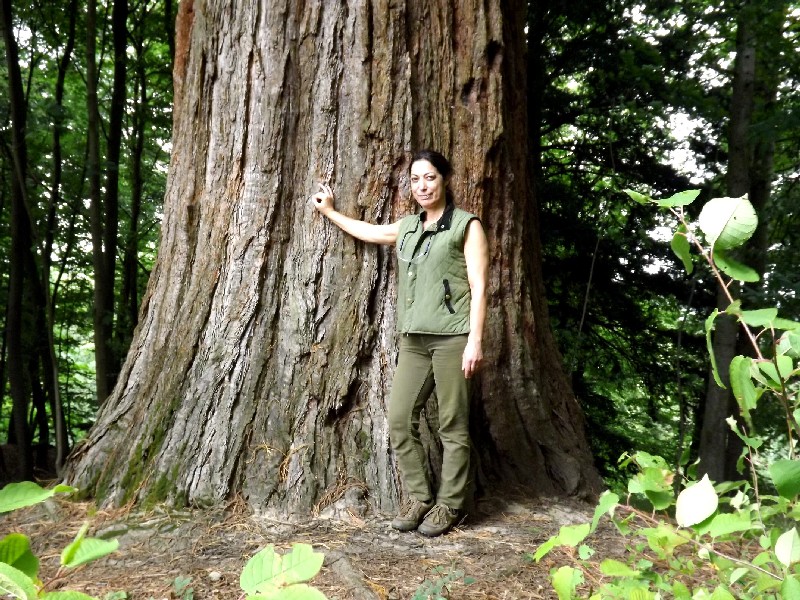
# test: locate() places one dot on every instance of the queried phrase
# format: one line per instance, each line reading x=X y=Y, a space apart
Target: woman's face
x=427 y=185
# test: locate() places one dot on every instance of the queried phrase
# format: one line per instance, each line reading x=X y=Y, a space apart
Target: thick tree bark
x=263 y=359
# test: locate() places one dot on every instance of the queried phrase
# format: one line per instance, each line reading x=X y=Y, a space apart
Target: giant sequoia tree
x=265 y=349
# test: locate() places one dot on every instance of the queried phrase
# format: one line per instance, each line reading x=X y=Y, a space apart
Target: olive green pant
x=426 y=362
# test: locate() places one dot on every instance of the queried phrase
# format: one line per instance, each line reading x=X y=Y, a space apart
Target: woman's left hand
x=472 y=359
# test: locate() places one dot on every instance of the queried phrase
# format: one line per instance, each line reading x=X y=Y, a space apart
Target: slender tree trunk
x=750 y=170
x=102 y=313
x=264 y=357
x=119 y=20
x=4 y=340
x=21 y=242
x=129 y=296
x=59 y=424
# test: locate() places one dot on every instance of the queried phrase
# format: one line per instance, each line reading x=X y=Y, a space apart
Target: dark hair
x=440 y=163
x=437 y=160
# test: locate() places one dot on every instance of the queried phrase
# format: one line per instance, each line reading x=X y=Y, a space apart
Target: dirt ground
x=364 y=558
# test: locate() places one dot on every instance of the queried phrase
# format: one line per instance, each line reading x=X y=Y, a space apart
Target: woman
x=443 y=261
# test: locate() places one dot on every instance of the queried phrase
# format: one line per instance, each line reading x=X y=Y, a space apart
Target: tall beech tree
x=264 y=353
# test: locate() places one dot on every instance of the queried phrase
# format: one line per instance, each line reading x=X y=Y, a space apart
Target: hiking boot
x=411 y=514
x=439 y=520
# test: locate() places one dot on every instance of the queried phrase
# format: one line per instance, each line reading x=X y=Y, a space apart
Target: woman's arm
x=476 y=252
x=366 y=232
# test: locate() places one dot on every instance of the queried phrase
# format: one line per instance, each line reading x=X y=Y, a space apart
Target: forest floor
x=364 y=558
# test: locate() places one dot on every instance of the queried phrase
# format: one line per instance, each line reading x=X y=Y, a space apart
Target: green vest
x=433 y=294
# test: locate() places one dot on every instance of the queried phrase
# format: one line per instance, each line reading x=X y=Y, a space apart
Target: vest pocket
x=448 y=297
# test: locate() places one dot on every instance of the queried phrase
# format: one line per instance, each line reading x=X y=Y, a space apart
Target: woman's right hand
x=323 y=199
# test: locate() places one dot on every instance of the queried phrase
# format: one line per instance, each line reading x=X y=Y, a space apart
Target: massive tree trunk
x=262 y=362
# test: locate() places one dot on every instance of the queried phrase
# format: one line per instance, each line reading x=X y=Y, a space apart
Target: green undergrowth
x=267 y=575
x=727 y=540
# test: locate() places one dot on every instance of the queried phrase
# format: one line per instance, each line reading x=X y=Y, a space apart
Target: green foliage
x=181 y=588
x=268 y=575
x=748 y=537
x=55 y=115
x=440 y=587
x=28 y=493
x=19 y=567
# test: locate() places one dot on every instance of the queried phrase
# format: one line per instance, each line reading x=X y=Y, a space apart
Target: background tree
x=603 y=85
x=752 y=119
x=263 y=359
x=612 y=89
x=52 y=117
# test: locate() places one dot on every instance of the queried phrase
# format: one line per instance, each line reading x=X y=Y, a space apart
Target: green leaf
x=299 y=591
x=682 y=248
x=733 y=268
x=721 y=594
x=710 y=346
x=768 y=369
x=608 y=501
x=615 y=568
x=754 y=442
x=67 y=595
x=585 y=552
x=728 y=222
x=680 y=591
x=572 y=535
x=737 y=574
x=15 y=550
x=302 y=563
x=742 y=385
x=637 y=197
x=759 y=318
x=68 y=553
x=663 y=539
x=651 y=479
x=679 y=199
x=790 y=589
x=565 y=580
x=645 y=460
x=15 y=583
x=84 y=550
x=787 y=547
x=545 y=548
x=696 y=503
x=789 y=344
x=785 y=366
x=27 y=493
x=785 y=475
x=728 y=523
x=639 y=593
x=264 y=566
x=786 y=325
x=660 y=500
x=268 y=571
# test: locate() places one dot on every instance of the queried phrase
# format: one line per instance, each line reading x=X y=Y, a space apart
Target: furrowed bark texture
x=264 y=355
